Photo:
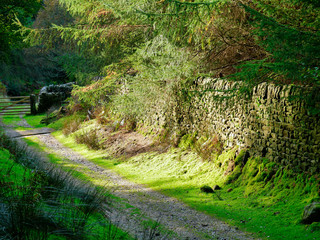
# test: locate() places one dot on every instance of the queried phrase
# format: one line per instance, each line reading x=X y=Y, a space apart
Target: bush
x=89 y=138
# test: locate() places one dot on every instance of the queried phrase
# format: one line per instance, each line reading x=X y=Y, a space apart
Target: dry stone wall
x=268 y=124
x=53 y=95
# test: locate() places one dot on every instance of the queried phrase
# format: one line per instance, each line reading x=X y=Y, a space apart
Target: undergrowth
x=89 y=138
x=72 y=123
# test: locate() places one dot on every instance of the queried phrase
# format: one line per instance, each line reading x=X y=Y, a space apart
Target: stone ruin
x=53 y=95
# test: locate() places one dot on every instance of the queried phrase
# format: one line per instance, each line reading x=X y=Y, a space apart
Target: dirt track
x=179 y=219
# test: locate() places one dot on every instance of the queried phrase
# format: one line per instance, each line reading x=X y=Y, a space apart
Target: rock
x=311 y=213
x=206 y=189
x=229 y=190
x=53 y=95
x=216 y=187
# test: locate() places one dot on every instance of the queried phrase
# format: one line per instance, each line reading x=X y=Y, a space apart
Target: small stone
x=206 y=189
x=229 y=190
x=311 y=213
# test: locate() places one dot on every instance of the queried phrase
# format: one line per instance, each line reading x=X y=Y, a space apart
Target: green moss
x=314 y=227
x=207 y=147
x=234 y=175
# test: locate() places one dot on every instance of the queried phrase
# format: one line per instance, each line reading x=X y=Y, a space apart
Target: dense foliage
x=10 y=11
x=288 y=31
x=137 y=54
x=24 y=69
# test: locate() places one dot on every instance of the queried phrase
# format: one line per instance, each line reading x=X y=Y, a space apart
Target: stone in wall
x=267 y=123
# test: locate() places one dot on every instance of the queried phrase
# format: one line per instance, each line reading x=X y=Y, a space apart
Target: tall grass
x=40 y=201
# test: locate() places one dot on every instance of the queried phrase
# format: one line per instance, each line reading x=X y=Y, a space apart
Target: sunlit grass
x=272 y=214
x=11 y=172
x=180 y=174
x=10 y=119
x=34 y=120
x=84 y=173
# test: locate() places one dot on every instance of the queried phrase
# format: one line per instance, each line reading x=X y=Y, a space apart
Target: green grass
x=254 y=206
x=13 y=174
x=271 y=208
x=10 y=119
x=34 y=120
x=84 y=173
x=31 y=195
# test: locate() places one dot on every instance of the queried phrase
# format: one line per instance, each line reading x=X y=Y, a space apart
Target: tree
x=249 y=40
x=23 y=68
x=289 y=32
x=25 y=11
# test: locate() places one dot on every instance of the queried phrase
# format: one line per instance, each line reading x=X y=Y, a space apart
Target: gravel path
x=187 y=223
x=178 y=220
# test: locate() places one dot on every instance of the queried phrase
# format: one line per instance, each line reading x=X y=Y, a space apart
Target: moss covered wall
x=267 y=123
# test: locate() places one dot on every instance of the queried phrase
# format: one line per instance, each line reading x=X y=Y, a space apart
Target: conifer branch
x=274 y=22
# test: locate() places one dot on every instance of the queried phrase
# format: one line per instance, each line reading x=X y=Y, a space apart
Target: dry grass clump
x=89 y=138
x=72 y=124
x=101 y=114
x=209 y=148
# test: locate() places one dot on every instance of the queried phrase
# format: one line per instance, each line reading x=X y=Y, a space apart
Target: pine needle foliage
x=96 y=34
x=161 y=67
x=217 y=31
x=139 y=51
x=293 y=46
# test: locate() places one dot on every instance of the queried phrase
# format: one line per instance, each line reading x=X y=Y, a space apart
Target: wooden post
x=33 y=108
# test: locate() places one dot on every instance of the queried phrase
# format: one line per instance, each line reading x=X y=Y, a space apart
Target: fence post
x=33 y=100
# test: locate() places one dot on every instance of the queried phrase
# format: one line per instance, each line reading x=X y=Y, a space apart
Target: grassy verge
x=34 y=120
x=39 y=201
x=10 y=120
x=260 y=196
x=269 y=207
x=13 y=120
x=101 y=182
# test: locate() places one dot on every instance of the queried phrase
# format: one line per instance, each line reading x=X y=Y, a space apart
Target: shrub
x=89 y=138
